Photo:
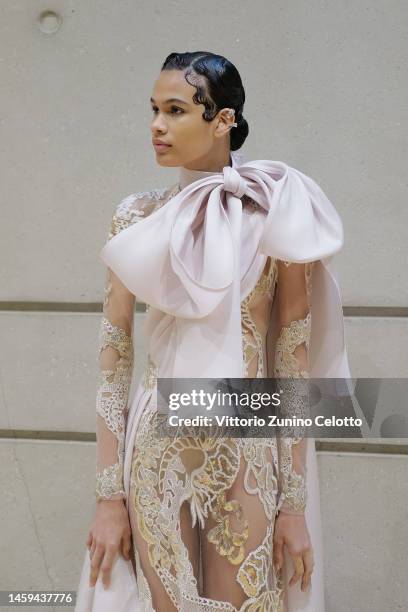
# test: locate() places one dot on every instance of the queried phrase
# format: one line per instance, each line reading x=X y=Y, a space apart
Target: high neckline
x=187 y=176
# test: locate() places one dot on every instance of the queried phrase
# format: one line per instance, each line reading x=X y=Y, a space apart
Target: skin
x=109 y=535
x=197 y=145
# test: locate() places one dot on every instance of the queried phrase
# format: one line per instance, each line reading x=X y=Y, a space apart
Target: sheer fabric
x=116 y=366
x=116 y=352
x=202 y=512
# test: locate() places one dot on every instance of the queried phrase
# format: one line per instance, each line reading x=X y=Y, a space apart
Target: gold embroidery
x=290 y=337
x=260 y=478
x=149 y=379
x=228 y=543
x=166 y=471
x=111 y=402
x=269 y=600
x=252 y=339
x=114 y=382
x=295 y=492
x=109 y=482
x=295 y=403
x=263 y=586
x=253 y=573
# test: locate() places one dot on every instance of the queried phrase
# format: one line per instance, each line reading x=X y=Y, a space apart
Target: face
x=178 y=122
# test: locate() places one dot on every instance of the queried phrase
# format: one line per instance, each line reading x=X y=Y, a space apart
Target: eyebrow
x=170 y=100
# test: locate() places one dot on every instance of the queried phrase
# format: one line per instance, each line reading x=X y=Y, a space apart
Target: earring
x=231 y=113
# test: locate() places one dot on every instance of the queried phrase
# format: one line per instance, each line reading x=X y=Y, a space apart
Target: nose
x=158 y=125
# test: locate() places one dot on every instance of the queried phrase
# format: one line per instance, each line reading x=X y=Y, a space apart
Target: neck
x=188 y=175
x=213 y=164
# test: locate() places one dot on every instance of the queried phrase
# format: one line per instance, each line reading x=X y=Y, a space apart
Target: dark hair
x=218 y=85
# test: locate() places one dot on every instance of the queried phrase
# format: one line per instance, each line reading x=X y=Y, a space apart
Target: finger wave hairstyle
x=218 y=85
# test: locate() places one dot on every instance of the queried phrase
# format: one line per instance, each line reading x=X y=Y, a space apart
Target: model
x=234 y=264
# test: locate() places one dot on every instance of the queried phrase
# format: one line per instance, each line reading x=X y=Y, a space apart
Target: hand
x=110 y=533
x=291 y=529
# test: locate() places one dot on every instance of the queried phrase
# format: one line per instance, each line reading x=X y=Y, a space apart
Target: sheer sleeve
x=291 y=362
x=115 y=356
x=115 y=363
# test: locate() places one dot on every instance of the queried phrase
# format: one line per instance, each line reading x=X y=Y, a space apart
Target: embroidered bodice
x=289 y=283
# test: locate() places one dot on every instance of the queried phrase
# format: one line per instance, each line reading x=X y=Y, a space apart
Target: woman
x=233 y=262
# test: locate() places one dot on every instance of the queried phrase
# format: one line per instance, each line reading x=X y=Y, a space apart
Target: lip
x=160 y=146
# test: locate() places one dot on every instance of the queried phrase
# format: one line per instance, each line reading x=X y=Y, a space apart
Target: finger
x=89 y=539
x=306 y=581
x=92 y=549
x=107 y=563
x=126 y=547
x=299 y=569
x=278 y=552
x=95 y=564
x=309 y=564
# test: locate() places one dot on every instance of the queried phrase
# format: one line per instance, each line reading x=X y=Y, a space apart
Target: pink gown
x=202 y=511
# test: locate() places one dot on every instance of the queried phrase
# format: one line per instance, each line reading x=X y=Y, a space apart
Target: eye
x=174 y=110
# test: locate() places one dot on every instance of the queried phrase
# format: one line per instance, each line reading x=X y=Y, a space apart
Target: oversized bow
x=194 y=259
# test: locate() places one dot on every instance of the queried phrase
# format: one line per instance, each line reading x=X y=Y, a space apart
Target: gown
x=202 y=510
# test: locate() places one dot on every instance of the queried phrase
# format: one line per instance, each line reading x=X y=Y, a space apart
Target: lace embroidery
x=114 y=382
x=290 y=337
x=143 y=585
x=269 y=600
x=252 y=340
x=253 y=574
x=111 y=402
x=295 y=403
x=161 y=477
x=294 y=493
x=308 y=275
x=167 y=471
x=294 y=487
x=260 y=478
x=164 y=475
x=149 y=379
x=126 y=214
x=109 y=482
x=228 y=544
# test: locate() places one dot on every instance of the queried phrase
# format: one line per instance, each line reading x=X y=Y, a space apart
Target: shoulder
x=136 y=206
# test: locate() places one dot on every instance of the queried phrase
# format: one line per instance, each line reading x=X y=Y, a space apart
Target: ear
x=225 y=121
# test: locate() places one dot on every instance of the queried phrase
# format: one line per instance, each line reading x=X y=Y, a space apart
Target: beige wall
x=325 y=93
